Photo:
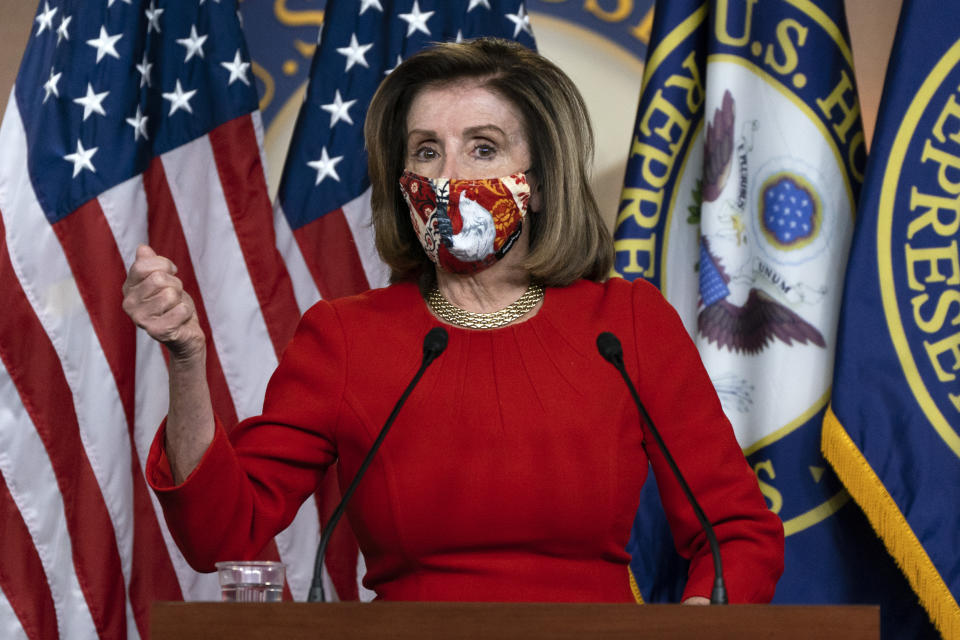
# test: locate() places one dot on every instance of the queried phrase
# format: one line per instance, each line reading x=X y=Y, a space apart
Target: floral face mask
x=466 y=226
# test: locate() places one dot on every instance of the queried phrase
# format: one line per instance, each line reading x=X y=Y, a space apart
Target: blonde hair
x=568 y=237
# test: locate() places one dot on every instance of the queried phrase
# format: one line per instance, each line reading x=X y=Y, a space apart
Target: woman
x=514 y=470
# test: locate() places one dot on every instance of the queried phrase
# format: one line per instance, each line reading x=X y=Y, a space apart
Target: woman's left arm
x=684 y=406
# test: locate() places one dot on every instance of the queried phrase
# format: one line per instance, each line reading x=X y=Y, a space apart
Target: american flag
x=323 y=206
x=131 y=121
x=135 y=121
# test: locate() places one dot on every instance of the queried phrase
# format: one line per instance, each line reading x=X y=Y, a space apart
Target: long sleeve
x=683 y=404
x=248 y=488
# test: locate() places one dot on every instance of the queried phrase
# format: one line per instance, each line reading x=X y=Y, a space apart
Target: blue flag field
x=892 y=428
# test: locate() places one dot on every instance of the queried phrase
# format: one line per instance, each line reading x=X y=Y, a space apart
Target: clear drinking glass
x=251 y=581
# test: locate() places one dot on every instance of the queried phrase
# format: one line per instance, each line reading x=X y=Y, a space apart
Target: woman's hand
x=697 y=600
x=154 y=299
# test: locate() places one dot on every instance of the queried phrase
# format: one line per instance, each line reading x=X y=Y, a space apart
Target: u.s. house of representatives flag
x=739 y=203
x=131 y=121
x=892 y=428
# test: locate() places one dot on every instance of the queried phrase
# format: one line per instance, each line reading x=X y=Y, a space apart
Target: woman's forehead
x=461 y=104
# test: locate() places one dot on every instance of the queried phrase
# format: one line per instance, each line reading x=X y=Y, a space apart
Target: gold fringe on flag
x=634 y=586
x=885 y=517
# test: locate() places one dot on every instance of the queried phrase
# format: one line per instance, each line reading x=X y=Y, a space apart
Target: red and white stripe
x=334 y=255
x=85 y=549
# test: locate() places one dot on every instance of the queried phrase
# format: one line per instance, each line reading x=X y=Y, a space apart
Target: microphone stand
x=609 y=347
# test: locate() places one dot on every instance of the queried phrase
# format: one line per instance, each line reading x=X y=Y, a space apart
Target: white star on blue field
x=788 y=211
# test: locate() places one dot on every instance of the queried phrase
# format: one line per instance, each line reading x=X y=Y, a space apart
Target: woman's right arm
x=154 y=298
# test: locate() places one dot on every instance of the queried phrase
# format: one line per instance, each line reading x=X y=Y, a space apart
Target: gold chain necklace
x=468 y=319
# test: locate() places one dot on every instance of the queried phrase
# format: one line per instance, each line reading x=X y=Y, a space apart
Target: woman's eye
x=425 y=153
x=485 y=150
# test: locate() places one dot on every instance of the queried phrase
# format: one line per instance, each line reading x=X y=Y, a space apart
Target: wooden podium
x=462 y=621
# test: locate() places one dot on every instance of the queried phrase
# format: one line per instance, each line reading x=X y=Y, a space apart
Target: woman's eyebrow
x=424 y=133
x=482 y=129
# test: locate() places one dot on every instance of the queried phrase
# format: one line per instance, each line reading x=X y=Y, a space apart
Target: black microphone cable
x=609 y=347
x=433 y=345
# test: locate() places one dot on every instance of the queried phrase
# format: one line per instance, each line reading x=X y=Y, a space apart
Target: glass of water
x=251 y=581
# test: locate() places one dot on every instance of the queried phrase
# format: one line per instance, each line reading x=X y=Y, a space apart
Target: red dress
x=513 y=472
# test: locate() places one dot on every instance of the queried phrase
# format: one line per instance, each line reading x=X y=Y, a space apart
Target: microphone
x=433 y=345
x=609 y=347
